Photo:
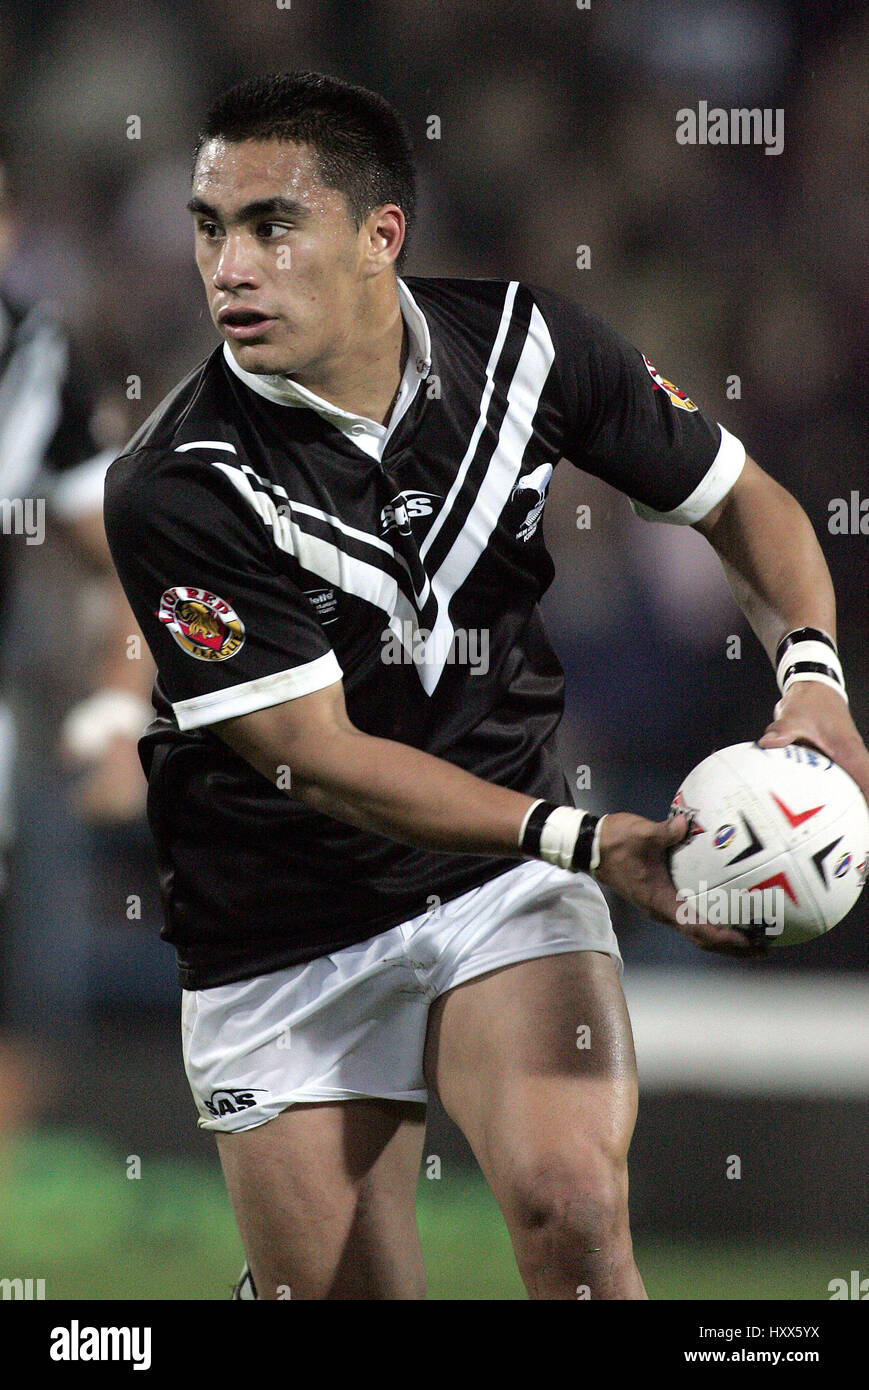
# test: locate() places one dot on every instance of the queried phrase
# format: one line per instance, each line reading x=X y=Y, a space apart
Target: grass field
x=70 y=1215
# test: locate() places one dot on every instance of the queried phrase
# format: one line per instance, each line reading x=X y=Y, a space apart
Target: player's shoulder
x=467 y=298
x=198 y=401
x=460 y=292
x=198 y=410
x=435 y=290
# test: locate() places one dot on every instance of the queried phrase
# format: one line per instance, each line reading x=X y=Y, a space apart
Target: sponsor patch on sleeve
x=204 y=625
x=679 y=399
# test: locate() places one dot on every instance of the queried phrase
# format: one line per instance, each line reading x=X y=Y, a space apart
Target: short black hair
x=362 y=145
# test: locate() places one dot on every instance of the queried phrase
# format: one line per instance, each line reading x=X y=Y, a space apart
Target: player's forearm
x=773 y=562
x=396 y=790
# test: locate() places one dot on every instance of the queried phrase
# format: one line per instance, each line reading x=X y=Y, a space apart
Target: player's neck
x=365 y=377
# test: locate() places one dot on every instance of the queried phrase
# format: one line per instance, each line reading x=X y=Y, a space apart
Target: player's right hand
x=634 y=860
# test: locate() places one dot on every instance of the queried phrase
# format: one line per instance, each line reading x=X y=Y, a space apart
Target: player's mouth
x=244 y=324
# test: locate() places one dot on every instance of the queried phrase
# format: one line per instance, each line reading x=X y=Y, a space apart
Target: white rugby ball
x=778 y=845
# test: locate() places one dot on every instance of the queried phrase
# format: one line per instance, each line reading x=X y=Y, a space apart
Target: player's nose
x=236 y=265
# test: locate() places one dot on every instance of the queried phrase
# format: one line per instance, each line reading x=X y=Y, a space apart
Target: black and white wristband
x=562 y=835
x=808 y=654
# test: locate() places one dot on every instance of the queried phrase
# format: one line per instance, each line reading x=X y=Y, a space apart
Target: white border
x=261 y=693
x=723 y=473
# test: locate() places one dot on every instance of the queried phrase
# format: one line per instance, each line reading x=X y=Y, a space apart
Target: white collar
x=284 y=391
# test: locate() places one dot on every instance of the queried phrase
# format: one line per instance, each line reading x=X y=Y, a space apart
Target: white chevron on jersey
x=485 y=399
x=523 y=398
x=270 y=515
x=367 y=581
x=325 y=559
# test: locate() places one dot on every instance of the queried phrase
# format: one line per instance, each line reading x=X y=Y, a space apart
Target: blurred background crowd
x=741 y=275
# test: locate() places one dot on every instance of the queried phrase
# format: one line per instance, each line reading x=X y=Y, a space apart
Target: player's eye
x=209 y=230
x=270 y=231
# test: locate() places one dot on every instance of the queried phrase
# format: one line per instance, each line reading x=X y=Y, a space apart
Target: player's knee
x=575 y=1206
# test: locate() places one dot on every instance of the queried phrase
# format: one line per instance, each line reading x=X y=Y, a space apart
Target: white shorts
x=353 y=1024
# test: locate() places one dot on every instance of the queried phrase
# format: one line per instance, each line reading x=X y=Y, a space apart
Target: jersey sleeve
x=625 y=423
x=229 y=629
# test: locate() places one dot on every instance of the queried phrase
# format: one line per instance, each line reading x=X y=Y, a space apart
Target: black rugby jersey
x=271 y=544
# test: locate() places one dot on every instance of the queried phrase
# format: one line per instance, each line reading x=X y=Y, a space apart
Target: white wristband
x=90 y=726
x=595 y=847
x=807 y=654
x=821 y=679
x=558 y=836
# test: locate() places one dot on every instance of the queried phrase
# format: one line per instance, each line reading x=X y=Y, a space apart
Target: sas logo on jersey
x=679 y=399
x=404 y=507
x=530 y=493
x=203 y=624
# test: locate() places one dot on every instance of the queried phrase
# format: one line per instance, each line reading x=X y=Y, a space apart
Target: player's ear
x=384 y=229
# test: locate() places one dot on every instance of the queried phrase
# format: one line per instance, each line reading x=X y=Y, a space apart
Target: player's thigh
x=535 y=1063
x=324 y=1196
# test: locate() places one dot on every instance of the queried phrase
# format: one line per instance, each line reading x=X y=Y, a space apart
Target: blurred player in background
x=52 y=469
x=331 y=535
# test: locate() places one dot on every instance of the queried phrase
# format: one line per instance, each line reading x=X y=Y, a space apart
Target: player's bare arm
x=375 y=783
x=393 y=789
x=780 y=579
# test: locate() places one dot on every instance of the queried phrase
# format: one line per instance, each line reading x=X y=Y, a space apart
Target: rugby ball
x=778 y=842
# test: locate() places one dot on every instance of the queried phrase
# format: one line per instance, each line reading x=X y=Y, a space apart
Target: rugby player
x=371 y=868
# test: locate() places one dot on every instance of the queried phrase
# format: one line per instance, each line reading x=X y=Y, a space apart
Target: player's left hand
x=813 y=713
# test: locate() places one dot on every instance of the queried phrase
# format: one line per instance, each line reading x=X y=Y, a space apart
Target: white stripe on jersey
x=367 y=581
x=304 y=509
x=485 y=400
x=723 y=473
x=206 y=444
x=327 y=560
x=523 y=398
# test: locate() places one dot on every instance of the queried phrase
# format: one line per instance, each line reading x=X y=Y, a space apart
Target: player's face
x=280 y=257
